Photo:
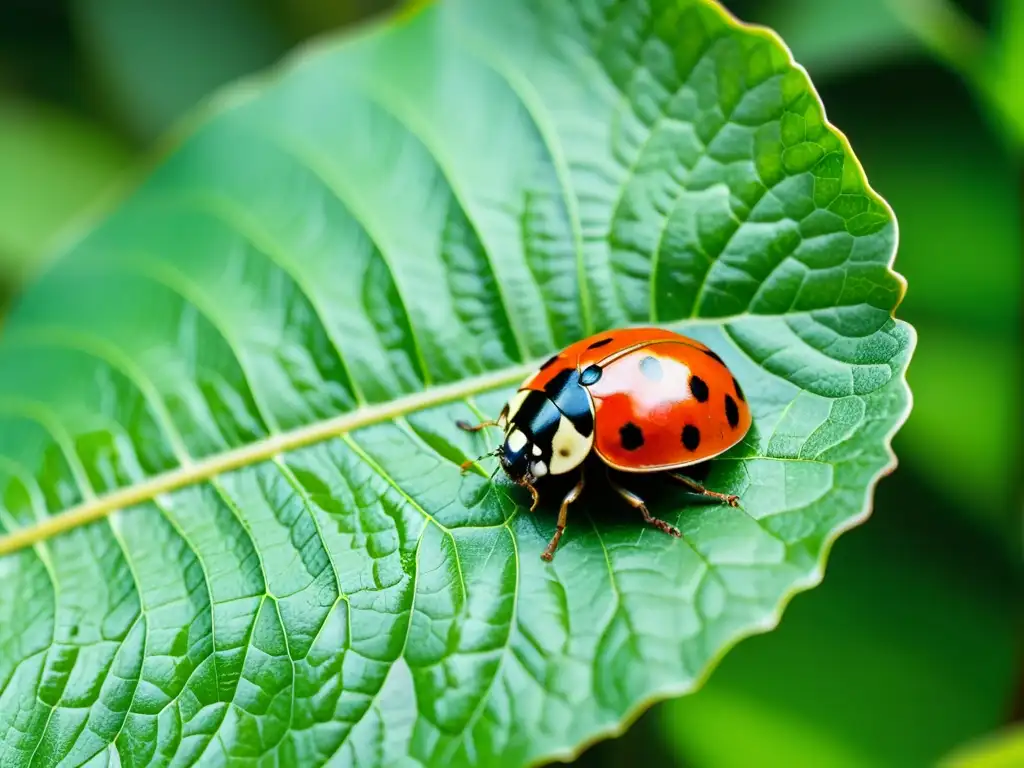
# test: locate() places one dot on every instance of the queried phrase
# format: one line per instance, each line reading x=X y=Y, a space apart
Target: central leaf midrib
x=256 y=452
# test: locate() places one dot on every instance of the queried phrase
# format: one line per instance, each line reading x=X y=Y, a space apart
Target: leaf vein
x=403 y=120
x=503 y=654
x=536 y=109
x=305 y=158
x=235 y=217
x=255 y=452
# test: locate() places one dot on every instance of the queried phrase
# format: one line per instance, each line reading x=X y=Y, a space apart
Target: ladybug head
x=521 y=458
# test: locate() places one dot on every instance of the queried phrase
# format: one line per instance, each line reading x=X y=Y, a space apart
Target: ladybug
x=639 y=399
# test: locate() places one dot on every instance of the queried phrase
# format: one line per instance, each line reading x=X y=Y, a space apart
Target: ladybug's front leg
x=563 y=513
x=465 y=425
x=693 y=485
x=637 y=503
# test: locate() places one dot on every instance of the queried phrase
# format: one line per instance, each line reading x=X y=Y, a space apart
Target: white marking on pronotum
x=568 y=447
x=516 y=440
x=515 y=403
x=537 y=451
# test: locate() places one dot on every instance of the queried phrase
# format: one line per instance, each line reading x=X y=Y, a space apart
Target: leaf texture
x=233 y=529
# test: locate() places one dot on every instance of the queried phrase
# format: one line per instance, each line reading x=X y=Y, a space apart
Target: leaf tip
x=776 y=40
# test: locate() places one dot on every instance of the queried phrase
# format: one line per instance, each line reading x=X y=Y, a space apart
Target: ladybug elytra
x=640 y=399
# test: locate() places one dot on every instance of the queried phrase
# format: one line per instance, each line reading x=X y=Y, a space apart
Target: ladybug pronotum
x=639 y=399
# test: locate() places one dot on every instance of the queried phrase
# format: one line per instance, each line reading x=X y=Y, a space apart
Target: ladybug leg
x=464 y=466
x=465 y=425
x=693 y=485
x=638 y=504
x=563 y=512
x=535 y=496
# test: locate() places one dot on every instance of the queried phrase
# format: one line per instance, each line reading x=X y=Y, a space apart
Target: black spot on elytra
x=600 y=343
x=591 y=375
x=631 y=436
x=699 y=389
x=691 y=437
x=651 y=368
x=550 y=361
x=713 y=356
x=739 y=390
x=732 y=413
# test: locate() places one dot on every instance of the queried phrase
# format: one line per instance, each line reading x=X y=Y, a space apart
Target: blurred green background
x=912 y=645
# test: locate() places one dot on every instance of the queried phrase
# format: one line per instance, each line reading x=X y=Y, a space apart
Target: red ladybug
x=641 y=399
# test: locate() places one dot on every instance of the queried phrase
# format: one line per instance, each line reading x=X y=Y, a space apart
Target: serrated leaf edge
x=247 y=88
x=816 y=576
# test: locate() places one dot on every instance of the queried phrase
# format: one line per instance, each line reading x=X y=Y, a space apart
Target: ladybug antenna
x=470 y=462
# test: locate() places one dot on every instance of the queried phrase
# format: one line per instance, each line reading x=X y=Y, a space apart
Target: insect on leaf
x=232 y=522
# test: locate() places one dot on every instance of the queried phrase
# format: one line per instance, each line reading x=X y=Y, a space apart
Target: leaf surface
x=236 y=526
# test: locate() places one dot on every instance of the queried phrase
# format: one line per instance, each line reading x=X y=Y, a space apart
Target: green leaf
x=968 y=315
x=1004 y=749
x=948 y=211
x=985 y=453
x=227 y=412
x=848 y=662
x=837 y=38
x=1005 y=70
x=990 y=67
x=54 y=165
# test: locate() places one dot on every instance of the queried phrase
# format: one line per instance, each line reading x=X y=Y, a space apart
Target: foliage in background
x=991 y=63
x=920 y=133
x=52 y=166
x=189 y=47
x=1003 y=749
